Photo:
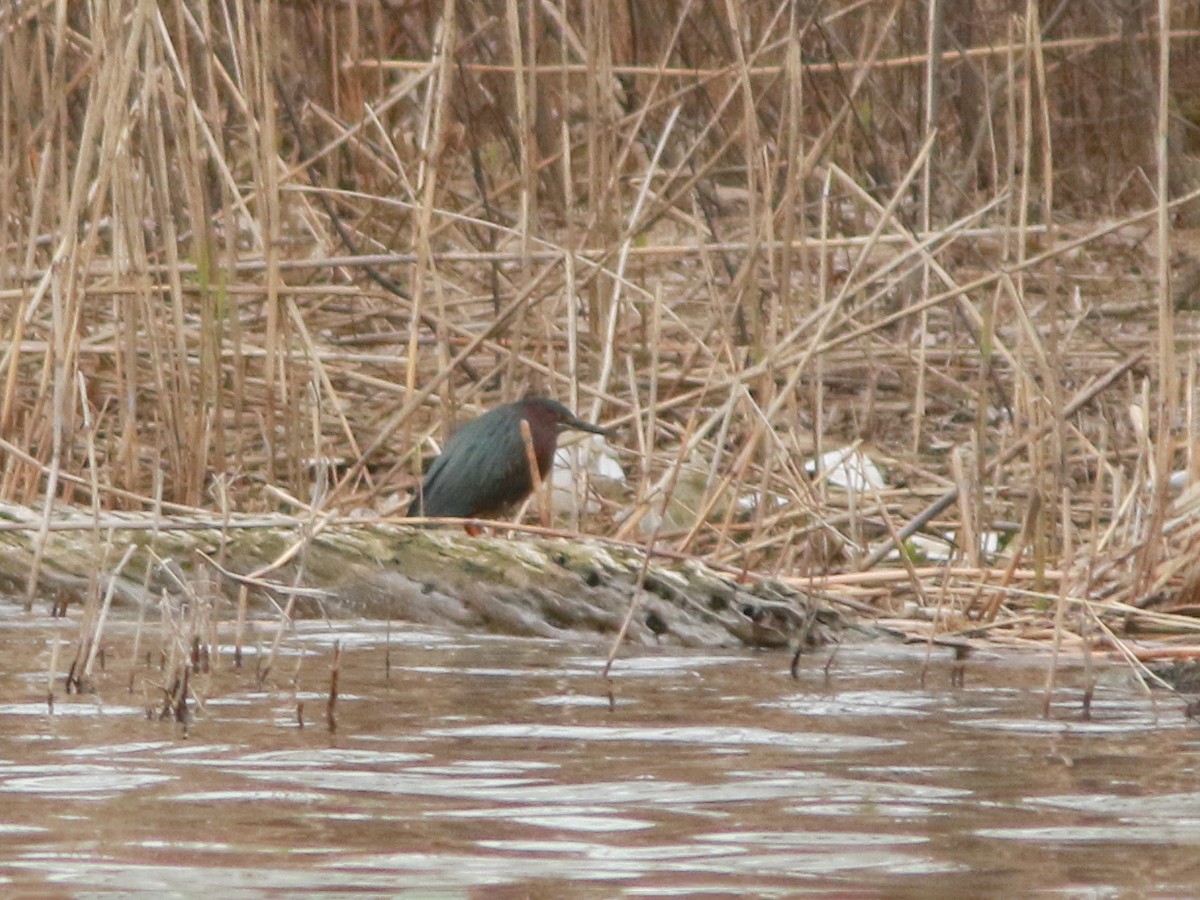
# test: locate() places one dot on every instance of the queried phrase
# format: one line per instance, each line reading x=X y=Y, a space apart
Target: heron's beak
x=580 y=425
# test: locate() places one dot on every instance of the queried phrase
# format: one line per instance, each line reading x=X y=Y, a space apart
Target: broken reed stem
x=107 y=604
x=239 y=630
x=285 y=620
x=1060 y=612
x=52 y=672
x=334 y=675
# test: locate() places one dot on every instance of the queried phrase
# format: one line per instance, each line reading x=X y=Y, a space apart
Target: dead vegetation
x=253 y=256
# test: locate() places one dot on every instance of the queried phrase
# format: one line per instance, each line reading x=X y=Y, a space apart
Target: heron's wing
x=482 y=469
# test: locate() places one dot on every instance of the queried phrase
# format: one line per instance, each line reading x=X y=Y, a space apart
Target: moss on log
x=524 y=585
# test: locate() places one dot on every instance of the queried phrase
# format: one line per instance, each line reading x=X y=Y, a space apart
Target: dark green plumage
x=484 y=467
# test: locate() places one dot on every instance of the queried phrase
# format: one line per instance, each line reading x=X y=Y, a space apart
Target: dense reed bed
x=259 y=257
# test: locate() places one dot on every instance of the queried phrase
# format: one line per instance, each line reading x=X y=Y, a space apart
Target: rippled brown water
x=494 y=767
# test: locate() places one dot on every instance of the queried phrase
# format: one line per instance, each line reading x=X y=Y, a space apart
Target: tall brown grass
x=250 y=248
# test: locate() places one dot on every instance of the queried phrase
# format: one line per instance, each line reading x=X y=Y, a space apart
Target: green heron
x=484 y=467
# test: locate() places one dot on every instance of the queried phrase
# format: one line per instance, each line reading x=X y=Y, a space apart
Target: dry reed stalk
x=535 y=476
x=912 y=60
x=1165 y=408
x=934 y=28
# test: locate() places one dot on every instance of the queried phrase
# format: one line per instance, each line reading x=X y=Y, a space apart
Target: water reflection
x=463 y=763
